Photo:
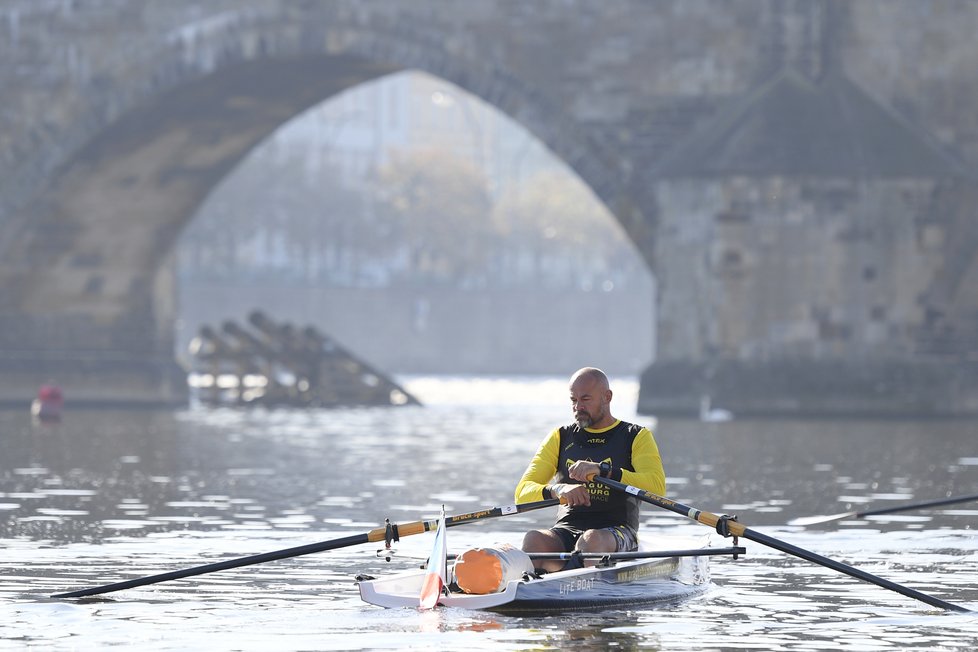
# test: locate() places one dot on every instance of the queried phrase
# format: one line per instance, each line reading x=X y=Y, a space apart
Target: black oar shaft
x=784 y=546
x=953 y=500
x=379 y=534
x=225 y=565
x=738 y=529
x=497 y=511
x=906 y=507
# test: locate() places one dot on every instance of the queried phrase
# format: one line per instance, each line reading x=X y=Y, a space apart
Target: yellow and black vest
x=608 y=507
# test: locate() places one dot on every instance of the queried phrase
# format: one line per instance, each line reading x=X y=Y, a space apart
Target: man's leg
x=611 y=539
x=546 y=541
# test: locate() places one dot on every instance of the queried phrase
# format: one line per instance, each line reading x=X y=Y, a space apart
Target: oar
x=737 y=529
x=812 y=520
x=379 y=534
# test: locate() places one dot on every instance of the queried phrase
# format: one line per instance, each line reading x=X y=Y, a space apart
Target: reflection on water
x=112 y=495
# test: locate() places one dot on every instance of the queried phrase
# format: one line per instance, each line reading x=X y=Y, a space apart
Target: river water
x=106 y=496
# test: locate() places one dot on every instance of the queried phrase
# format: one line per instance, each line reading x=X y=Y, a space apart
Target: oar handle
x=418 y=527
x=738 y=529
x=706 y=518
x=494 y=512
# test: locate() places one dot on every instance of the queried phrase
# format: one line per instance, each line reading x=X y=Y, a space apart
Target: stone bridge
x=799 y=175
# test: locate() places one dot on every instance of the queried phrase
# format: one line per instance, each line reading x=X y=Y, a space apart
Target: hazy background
x=425 y=230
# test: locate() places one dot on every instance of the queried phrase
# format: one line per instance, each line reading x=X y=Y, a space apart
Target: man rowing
x=592 y=517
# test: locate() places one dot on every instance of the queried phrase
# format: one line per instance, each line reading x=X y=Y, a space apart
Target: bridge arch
x=171 y=124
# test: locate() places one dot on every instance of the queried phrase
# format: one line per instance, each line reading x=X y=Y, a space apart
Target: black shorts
x=625 y=536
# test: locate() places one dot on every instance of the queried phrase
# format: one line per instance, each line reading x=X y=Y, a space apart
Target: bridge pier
x=98 y=359
x=90 y=380
x=814 y=388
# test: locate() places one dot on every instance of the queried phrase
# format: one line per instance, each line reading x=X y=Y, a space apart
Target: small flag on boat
x=436 y=577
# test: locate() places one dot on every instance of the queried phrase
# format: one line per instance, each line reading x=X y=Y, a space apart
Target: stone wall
x=816 y=268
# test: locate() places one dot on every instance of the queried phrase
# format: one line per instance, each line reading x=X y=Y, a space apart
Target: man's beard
x=583 y=419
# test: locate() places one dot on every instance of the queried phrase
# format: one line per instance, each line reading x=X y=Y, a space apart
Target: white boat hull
x=637 y=582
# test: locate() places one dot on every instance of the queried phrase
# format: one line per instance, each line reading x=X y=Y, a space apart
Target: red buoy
x=49 y=403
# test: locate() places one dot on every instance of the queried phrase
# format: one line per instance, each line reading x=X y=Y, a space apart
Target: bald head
x=591 y=373
x=590 y=395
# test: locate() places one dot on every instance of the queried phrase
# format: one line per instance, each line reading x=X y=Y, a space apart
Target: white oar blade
x=813 y=520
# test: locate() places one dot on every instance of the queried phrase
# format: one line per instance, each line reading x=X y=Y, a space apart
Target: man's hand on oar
x=813 y=520
x=386 y=533
x=730 y=527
